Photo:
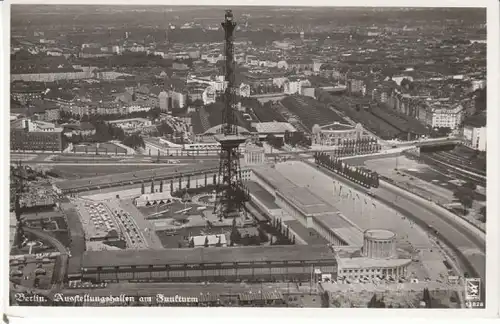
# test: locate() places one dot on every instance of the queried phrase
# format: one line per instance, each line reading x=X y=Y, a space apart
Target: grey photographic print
x=247 y=156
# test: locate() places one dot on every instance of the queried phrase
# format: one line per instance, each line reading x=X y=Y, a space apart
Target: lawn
x=72 y=172
x=101 y=148
x=172 y=241
x=171 y=208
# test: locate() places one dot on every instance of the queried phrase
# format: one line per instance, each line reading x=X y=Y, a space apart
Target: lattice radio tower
x=231 y=195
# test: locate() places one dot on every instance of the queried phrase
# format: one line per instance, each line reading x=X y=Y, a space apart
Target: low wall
x=446 y=213
x=445 y=210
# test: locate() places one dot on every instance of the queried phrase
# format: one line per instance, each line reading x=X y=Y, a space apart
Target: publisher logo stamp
x=472 y=289
x=473 y=293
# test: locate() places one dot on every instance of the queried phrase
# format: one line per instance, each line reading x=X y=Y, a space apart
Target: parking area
x=33 y=273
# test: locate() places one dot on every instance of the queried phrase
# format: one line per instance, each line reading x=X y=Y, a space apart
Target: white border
x=249 y=314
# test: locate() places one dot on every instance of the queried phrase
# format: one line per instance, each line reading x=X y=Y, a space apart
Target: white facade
x=478 y=84
x=400 y=78
x=475 y=137
x=131 y=123
x=244 y=90
x=283 y=65
x=209 y=95
x=445 y=117
x=210 y=240
x=309 y=92
x=292 y=87
x=137 y=108
x=254 y=155
x=178 y=99
x=279 y=82
x=163 y=98
x=214 y=58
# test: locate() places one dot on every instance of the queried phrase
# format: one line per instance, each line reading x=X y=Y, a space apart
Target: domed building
x=377 y=258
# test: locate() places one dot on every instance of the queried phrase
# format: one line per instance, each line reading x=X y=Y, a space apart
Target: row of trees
x=353 y=150
x=364 y=177
x=134 y=141
x=297 y=139
x=236 y=238
x=274 y=141
x=465 y=195
x=359 y=142
x=284 y=236
x=164 y=129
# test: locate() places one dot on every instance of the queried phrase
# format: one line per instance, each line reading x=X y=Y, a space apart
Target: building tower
x=231 y=195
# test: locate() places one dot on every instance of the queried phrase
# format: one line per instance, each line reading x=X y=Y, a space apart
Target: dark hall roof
x=123 y=258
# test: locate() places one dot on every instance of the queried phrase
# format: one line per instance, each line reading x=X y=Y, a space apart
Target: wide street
x=462 y=238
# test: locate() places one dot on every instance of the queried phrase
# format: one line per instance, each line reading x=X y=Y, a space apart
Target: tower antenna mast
x=231 y=194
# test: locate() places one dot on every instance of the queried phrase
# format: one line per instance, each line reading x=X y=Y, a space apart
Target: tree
x=263 y=236
x=235 y=236
x=376 y=303
x=219 y=243
x=464 y=196
x=471 y=185
x=373 y=301
x=482 y=212
x=427 y=298
x=325 y=299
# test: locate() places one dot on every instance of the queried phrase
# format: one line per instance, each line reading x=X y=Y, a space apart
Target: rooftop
x=379 y=234
x=93 y=259
x=273 y=178
x=274 y=127
x=309 y=235
x=130 y=176
x=337 y=127
x=344 y=229
x=261 y=194
x=208 y=117
x=363 y=263
x=476 y=120
x=306 y=201
x=123 y=121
